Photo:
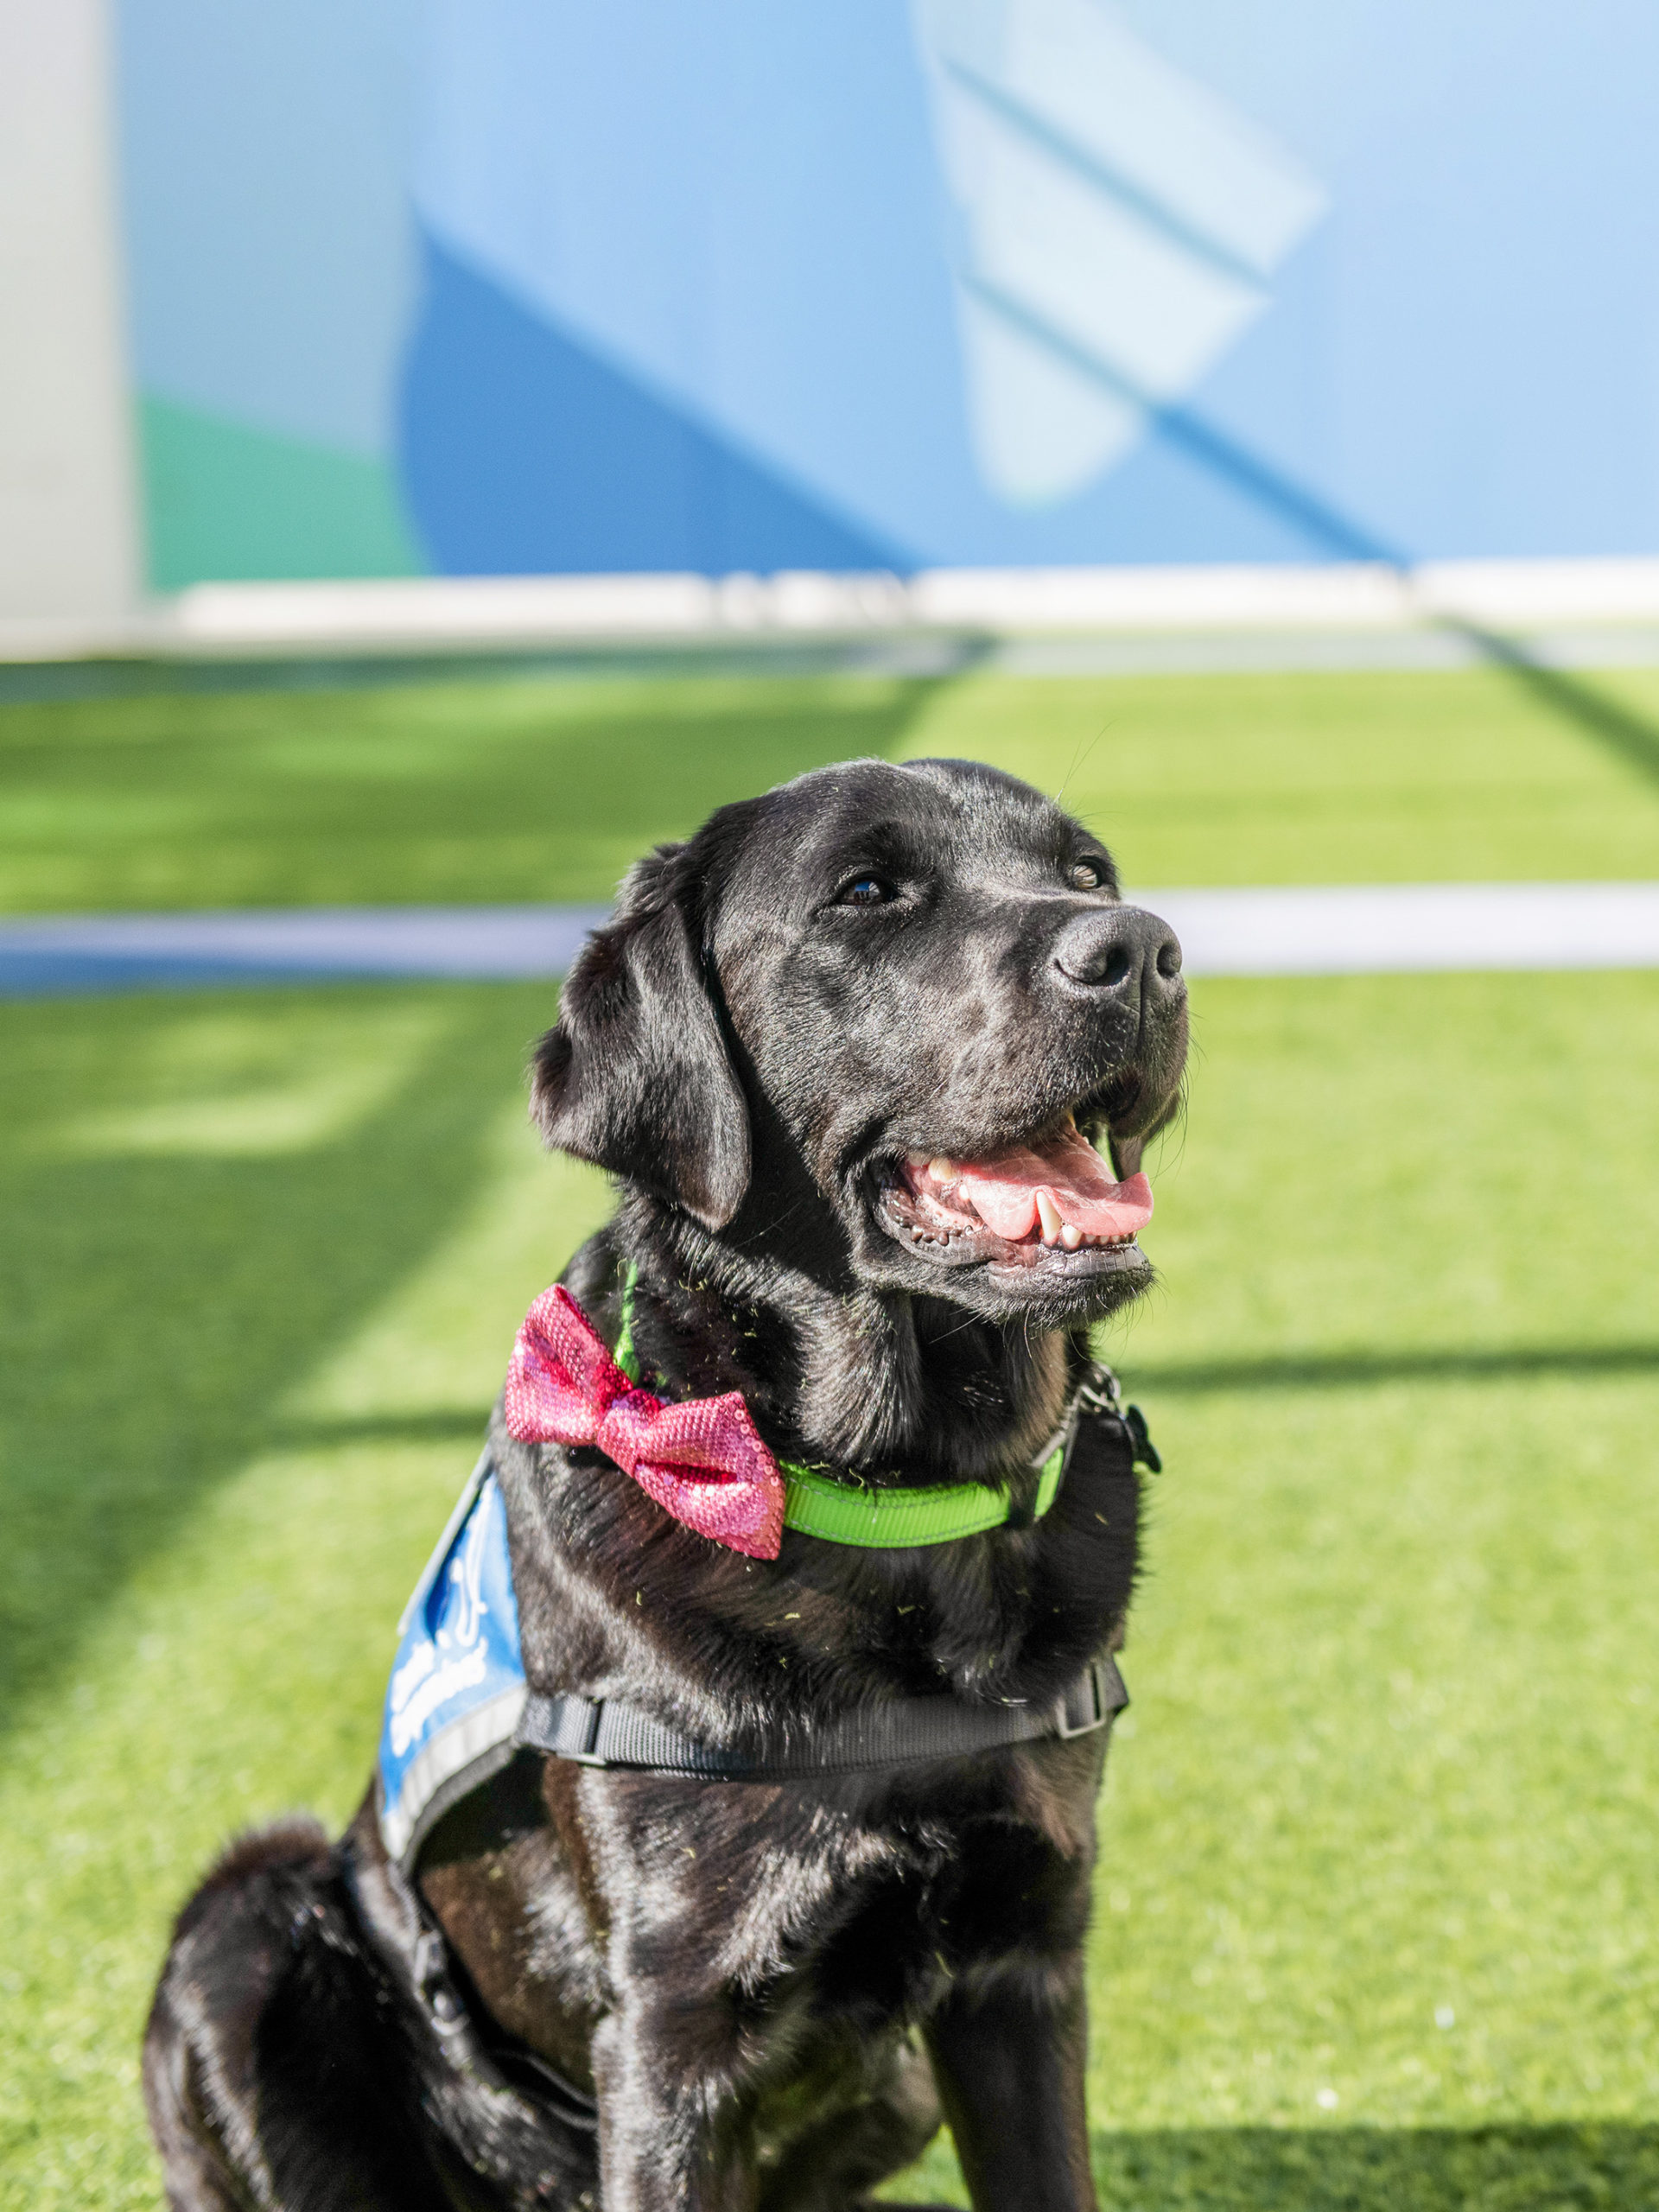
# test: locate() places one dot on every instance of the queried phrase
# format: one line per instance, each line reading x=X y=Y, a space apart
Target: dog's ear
x=635 y=1075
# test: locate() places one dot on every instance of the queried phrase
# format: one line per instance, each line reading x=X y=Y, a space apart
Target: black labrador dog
x=850 y=1053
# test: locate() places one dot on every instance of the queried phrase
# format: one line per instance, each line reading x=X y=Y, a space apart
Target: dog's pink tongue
x=1004 y=1190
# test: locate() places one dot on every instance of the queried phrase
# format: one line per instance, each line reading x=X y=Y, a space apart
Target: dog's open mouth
x=1042 y=1203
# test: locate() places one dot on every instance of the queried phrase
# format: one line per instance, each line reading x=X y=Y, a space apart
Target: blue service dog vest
x=457 y=1687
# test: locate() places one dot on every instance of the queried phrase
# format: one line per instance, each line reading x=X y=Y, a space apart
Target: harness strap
x=406 y=1951
x=611 y=1733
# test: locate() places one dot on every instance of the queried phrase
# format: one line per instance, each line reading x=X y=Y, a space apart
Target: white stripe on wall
x=1339 y=613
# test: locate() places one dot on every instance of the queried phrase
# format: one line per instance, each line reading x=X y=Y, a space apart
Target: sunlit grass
x=462 y=793
x=1349 y=777
x=475 y=792
x=1392 y=1755
x=233 y=1081
x=1373 y=1926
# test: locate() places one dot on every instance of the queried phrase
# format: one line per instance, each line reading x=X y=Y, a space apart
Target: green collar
x=843 y=1511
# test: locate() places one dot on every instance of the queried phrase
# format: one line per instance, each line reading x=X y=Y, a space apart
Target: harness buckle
x=1100 y=1696
x=1094 y=1713
x=587 y=1753
x=1097 y=1394
x=1100 y=1393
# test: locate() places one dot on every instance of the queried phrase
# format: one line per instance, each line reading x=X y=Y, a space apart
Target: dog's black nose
x=1120 y=949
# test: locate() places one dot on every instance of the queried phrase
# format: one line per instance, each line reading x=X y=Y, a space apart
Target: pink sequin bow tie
x=701 y=1459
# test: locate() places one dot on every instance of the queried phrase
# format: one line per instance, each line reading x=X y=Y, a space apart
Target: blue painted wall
x=510 y=285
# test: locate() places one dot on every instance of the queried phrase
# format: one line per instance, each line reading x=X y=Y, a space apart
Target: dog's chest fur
x=767 y=1921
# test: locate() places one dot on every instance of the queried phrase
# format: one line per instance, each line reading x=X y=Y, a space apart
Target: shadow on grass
x=778 y=655
x=155 y=1308
x=1629 y=736
x=1500 y=2169
x=440 y=1425
x=1292 y=1371
x=438 y=794
x=158 y=1308
x=1346 y=1370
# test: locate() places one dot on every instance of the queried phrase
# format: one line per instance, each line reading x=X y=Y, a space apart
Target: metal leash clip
x=1102 y=1394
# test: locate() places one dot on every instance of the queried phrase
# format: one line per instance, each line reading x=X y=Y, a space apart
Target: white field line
x=450 y=614
x=1349 y=928
x=1411 y=928
x=89 y=951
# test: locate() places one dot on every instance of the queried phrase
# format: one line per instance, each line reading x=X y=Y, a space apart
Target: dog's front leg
x=1009 y=2059
x=669 y=2137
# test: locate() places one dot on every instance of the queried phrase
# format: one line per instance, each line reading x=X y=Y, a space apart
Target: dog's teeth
x=1070 y=1237
x=1049 y=1214
x=942 y=1168
x=915 y=1159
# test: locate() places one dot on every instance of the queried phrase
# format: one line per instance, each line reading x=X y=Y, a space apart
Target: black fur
x=769 y=1990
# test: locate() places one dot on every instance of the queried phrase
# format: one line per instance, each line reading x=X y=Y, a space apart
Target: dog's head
x=899 y=1011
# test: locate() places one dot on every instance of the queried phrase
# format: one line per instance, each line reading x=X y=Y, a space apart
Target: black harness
x=408 y=1949
x=459 y=1705
x=900 y=1731
x=608 y=1731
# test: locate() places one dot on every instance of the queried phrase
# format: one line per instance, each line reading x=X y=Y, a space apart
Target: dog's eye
x=867 y=891
x=1086 y=876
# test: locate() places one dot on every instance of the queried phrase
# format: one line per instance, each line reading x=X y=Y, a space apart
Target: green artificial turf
x=1354 y=777
x=470 y=793
x=1375 y=1924
x=478 y=793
